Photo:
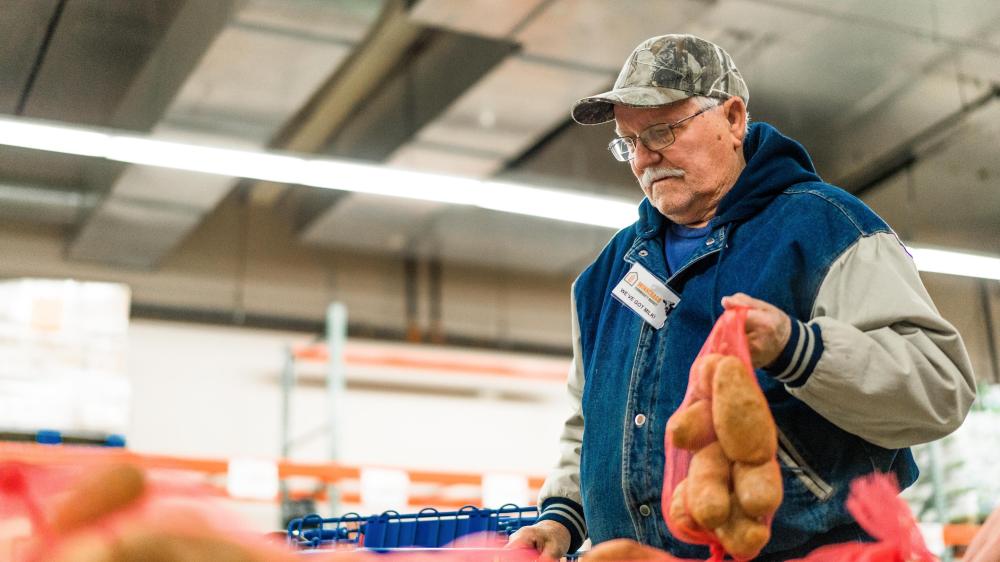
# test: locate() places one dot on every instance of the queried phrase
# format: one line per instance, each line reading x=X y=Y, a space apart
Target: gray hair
x=705 y=102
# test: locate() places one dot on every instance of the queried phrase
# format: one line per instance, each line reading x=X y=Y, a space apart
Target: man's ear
x=736 y=113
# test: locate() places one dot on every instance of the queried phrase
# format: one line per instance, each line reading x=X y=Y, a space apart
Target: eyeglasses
x=655 y=137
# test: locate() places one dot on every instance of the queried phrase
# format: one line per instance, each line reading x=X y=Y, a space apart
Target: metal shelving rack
x=336 y=336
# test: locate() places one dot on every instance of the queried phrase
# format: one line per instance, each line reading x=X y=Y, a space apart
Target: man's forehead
x=627 y=117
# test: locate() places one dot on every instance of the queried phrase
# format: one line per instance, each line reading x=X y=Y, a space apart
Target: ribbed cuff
x=801 y=354
x=569 y=514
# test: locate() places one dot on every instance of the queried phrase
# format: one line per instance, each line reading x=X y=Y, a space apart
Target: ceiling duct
x=945 y=193
x=23 y=28
x=41 y=205
x=499 y=117
x=928 y=140
x=374 y=57
x=84 y=73
x=234 y=75
x=435 y=70
x=62 y=63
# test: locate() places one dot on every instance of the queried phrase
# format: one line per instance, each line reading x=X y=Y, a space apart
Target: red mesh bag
x=721 y=481
x=875 y=503
x=97 y=509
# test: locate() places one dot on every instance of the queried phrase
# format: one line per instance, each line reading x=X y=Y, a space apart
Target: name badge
x=641 y=291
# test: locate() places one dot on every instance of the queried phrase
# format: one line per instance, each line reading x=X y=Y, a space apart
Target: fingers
x=525 y=537
x=734 y=300
x=549 y=538
x=767 y=327
x=99 y=494
x=743 y=299
x=760 y=316
x=530 y=539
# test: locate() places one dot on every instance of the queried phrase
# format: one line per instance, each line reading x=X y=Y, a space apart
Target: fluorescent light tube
x=53 y=138
x=934 y=260
x=330 y=174
x=210 y=160
x=560 y=205
x=380 y=180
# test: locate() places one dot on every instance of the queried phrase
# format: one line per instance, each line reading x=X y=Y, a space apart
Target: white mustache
x=652 y=175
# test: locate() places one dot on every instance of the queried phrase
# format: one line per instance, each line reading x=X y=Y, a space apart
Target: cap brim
x=598 y=109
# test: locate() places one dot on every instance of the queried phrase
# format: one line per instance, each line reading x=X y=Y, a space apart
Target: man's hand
x=768 y=328
x=549 y=538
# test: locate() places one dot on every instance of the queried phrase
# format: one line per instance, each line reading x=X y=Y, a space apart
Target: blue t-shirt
x=680 y=242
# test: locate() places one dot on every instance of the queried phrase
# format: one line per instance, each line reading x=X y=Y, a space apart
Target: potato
x=691 y=426
x=758 y=487
x=78 y=547
x=678 y=512
x=707 y=488
x=743 y=422
x=704 y=370
x=97 y=495
x=743 y=536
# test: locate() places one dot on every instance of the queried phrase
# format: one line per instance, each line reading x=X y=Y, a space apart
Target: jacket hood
x=774 y=163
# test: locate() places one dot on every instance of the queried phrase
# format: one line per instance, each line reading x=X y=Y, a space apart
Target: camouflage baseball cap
x=663 y=70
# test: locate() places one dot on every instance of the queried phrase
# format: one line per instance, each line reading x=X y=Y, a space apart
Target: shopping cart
x=427 y=529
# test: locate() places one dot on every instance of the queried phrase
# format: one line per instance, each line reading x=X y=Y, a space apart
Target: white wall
x=213 y=392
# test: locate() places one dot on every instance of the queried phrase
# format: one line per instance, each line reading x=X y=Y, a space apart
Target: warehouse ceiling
x=895 y=99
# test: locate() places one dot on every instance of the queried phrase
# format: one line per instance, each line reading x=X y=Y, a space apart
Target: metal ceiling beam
x=432 y=74
x=368 y=65
x=43 y=49
x=855 y=18
x=496 y=118
x=334 y=102
x=910 y=151
x=24 y=27
x=425 y=81
x=131 y=226
x=86 y=68
x=185 y=43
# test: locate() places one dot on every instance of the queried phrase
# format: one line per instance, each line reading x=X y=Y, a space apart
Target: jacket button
x=644 y=510
x=643 y=253
x=710 y=241
x=640 y=420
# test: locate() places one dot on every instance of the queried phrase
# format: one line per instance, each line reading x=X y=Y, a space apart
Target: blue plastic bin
x=428 y=528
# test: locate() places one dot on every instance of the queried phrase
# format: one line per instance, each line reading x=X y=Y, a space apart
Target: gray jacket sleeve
x=560 y=498
x=876 y=358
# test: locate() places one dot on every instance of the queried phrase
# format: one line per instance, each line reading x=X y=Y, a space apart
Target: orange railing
x=458 y=363
x=327 y=473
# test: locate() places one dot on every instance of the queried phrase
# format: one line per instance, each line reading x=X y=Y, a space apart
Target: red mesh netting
x=721 y=482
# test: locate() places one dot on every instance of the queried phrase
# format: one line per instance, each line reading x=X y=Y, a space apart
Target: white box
x=63 y=356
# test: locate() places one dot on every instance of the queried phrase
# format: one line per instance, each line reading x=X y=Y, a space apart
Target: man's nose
x=645 y=157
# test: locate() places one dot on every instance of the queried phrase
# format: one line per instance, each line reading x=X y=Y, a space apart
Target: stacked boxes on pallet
x=63 y=357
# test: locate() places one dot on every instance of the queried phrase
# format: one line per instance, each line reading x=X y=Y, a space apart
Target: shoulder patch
x=854 y=210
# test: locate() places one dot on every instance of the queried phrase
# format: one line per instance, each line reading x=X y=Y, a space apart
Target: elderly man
x=851 y=353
